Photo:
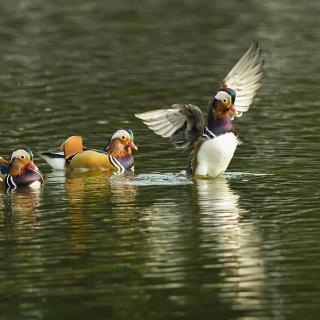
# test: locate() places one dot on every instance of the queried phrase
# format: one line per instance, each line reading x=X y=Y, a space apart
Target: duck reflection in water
x=22 y=205
x=217 y=196
x=237 y=243
x=86 y=189
x=87 y=192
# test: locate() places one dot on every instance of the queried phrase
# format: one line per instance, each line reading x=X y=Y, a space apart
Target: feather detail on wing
x=181 y=123
x=245 y=78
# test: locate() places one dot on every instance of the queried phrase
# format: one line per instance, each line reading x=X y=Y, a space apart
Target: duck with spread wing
x=213 y=141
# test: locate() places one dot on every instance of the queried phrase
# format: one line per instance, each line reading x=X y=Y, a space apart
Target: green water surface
x=156 y=244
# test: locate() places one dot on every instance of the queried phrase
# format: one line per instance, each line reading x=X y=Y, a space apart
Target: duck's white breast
x=214 y=155
x=35 y=184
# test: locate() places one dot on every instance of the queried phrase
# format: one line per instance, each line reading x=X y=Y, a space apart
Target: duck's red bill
x=32 y=166
x=132 y=145
x=233 y=108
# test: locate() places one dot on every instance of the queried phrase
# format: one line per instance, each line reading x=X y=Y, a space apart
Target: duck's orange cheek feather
x=15 y=168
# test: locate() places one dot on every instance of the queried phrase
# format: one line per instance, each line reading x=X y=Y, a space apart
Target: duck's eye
x=224 y=100
x=123 y=137
x=22 y=157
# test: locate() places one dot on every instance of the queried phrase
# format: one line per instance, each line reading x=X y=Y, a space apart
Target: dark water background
x=158 y=245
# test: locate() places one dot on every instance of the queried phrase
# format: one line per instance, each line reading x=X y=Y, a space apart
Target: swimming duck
x=20 y=171
x=116 y=157
x=214 y=141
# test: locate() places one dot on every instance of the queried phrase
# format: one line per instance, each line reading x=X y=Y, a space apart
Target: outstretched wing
x=245 y=78
x=182 y=123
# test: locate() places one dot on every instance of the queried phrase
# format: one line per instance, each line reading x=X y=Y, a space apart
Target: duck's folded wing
x=181 y=123
x=54 y=159
x=245 y=78
x=3 y=166
x=3 y=161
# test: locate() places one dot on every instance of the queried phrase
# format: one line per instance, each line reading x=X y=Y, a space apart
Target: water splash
x=164 y=179
x=154 y=179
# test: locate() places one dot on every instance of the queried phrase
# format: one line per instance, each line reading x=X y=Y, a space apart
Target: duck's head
x=20 y=161
x=121 y=143
x=223 y=104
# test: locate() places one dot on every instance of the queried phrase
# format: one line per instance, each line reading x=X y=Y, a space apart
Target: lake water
x=156 y=244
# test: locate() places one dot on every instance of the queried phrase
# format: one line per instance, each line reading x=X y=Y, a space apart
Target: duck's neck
x=117 y=150
x=219 y=123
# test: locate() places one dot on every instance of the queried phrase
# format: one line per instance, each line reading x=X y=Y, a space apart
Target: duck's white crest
x=122 y=133
x=222 y=95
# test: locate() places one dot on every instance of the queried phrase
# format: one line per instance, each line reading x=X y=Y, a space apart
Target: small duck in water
x=214 y=141
x=116 y=157
x=20 y=171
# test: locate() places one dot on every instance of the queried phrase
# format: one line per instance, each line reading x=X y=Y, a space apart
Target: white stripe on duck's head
x=123 y=138
x=25 y=153
x=20 y=161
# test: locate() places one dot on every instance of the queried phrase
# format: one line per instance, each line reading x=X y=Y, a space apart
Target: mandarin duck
x=116 y=157
x=20 y=171
x=214 y=141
